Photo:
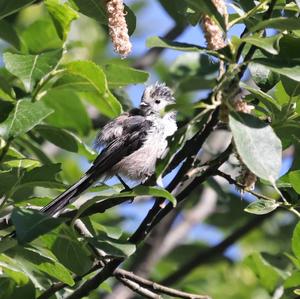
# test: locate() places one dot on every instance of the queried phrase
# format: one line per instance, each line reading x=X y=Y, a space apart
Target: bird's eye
x=157 y=101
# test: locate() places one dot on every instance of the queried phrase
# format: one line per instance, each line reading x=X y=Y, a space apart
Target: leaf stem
x=43 y=82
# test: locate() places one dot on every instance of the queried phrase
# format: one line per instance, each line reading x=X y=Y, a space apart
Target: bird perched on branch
x=132 y=143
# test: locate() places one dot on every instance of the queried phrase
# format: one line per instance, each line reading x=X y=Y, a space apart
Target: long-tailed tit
x=132 y=143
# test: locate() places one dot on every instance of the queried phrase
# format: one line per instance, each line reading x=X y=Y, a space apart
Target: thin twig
x=156 y=287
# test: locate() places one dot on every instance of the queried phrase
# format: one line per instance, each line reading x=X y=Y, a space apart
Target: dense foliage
x=60 y=83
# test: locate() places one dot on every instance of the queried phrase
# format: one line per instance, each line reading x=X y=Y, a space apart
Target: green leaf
x=296 y=241
x=22 y=163
x=280 y=94
x=263 y=76
x=11 y=269
x=71 y=252
x=280 y=23
x=118 y=75
x=62 y=16
x=31 y=68
x=97 y=11
x=159 y=42
x=9 y=34
x=289 y=69
x=8 y=7
x=173 y=8
x=294 y=178
x=289 y=47
x=261 y=206
x=41 y=260
x=154 y=191
x=268 y=275
x=41 y=36
x=291 y=87
x=44 y=176
x=112 y=246
x=7 y=243
x=8 y=179
x=265 y=98
x=69 y=112
x=7 y=287
x=257 y=144
x=5 y=108
x=137 y=191
x=293 y=281
x=24 y=117
x=269 y=44
x=65 y=140
x=86 y=76
x=30 y=224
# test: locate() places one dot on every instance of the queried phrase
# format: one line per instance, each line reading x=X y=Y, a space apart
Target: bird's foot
x=126 y=187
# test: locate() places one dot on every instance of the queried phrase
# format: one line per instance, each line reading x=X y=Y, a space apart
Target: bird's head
x=156 y=98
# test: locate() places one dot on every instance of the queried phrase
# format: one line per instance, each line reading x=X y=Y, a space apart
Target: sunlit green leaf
x=41 y=36
x=25 y=116
x=31 y=68
x=262 y=206
x=294 y=178
x=268 y=276
x=62 y=15
x=118 y=75
x=269 y=44
x=86 y=76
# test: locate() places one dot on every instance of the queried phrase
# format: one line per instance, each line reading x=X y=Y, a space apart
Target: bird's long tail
x=69 y=195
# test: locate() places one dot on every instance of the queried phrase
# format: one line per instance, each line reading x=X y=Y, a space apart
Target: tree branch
x=134 y=286
x=156 y=287
x=213 y=166
x=209 y=254
x=192 y=146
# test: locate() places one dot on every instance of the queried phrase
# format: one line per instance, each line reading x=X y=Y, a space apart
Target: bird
x=131 y=145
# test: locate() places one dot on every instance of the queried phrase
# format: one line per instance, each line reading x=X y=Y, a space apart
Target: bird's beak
x=144 y=105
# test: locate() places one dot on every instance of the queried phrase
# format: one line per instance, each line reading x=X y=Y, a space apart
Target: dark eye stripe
x=157 y=101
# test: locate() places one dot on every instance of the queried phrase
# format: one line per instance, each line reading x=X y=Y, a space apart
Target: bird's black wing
x=135 y=129
x=114 y=129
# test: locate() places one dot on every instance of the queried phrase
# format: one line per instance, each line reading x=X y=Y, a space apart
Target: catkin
x=118 y=30
x=213 y=34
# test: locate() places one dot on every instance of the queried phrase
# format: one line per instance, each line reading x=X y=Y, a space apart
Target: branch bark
x=156 y=287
